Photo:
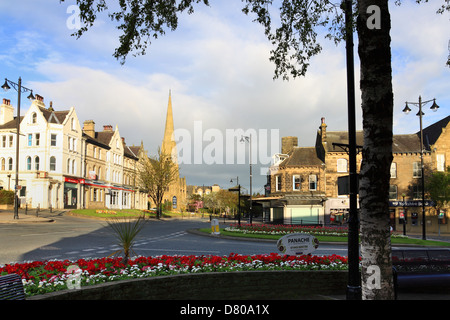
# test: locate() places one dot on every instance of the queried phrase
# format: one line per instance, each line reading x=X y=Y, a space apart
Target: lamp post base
x=354 y=293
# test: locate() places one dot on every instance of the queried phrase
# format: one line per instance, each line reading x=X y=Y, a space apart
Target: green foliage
x=6 y=197
x=438 y=186
x=126 y=231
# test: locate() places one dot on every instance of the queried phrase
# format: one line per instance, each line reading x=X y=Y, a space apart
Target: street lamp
x=19 y=88
x=249 y=140
x=238 y=189
x=354 y=291
x=406 y=110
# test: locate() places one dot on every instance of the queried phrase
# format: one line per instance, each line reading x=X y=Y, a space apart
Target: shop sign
x=411 y=203
x=73 y=180
x=297 y=244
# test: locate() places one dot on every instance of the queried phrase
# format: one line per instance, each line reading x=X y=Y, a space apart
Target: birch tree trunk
x=373 y=26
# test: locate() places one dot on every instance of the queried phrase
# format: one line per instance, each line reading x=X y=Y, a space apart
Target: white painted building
x=61 y=165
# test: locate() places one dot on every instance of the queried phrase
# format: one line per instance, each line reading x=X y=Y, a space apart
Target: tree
x=438 y=186
x=155 y=175
x=295 y=42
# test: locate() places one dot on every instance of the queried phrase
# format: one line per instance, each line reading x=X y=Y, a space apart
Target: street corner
x=8 y=217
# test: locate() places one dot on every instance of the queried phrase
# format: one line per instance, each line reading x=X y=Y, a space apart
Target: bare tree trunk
x=377 y=105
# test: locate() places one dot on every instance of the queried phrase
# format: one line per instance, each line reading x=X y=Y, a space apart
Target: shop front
x=337 y=211
x=409 y=213
x=72 y=192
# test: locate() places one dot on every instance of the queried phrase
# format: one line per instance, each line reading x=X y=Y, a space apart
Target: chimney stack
x=89 y=128
x=6 y=112
x=288 y=144
x=108 y=128
x=323 y=130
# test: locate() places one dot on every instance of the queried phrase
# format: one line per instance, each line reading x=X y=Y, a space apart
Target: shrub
x=6 y=197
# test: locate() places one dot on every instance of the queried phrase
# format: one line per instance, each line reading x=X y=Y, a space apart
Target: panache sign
x=297 y=244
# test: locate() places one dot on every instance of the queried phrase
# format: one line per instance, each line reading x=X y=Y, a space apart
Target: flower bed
x=46 y=276
x=106 y=211
x=285 y=229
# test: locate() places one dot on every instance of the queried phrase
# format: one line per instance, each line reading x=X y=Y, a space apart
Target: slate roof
x=302 y=156
x=432 y=132
x=401 y=143
x=11 y=124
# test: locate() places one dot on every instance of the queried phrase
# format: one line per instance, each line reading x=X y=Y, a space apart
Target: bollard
x=37 y=210
x=215 y=226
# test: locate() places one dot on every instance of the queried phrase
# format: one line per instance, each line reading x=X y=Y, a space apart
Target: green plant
x=6 y=197
x=126 y=231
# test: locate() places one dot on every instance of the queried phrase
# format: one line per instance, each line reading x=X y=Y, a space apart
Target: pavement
x=31 y=216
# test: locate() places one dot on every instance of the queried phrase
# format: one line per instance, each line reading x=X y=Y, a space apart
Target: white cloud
x=217 y=66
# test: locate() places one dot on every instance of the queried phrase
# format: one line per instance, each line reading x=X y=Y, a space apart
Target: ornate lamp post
x=406 y=110
x=19 y=88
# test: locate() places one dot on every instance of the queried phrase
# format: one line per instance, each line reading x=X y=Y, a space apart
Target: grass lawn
x=411 y=241
x=107 y=213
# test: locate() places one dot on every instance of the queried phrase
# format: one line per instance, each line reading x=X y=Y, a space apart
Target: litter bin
x=215 y=226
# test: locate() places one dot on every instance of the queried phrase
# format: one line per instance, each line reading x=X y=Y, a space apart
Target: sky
x=216 y=68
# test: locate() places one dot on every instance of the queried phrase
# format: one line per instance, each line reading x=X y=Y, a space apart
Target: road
x=73 y=238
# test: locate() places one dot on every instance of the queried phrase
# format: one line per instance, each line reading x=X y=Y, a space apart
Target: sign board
x=297 y=244
x=411 y=203
x=344 y=185
x=215 y=226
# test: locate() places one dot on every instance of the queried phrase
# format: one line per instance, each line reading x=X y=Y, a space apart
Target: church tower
x=169 y=146
x=177 y=190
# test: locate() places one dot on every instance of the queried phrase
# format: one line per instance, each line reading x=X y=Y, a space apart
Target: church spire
x=169 y=147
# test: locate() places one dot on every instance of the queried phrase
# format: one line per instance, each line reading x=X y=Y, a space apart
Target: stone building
x=306 y=183
x=62 y=165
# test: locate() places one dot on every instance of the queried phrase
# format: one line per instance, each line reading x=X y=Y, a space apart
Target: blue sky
x=216 y=66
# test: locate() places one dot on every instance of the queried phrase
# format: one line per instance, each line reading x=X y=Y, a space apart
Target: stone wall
x=269 y=285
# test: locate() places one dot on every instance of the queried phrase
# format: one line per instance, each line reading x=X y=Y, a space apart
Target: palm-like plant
x=126 y=231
